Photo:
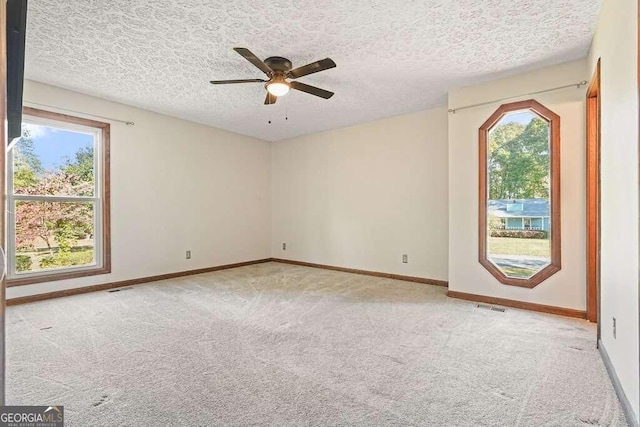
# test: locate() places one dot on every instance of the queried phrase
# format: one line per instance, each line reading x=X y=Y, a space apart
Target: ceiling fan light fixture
x=278 y=88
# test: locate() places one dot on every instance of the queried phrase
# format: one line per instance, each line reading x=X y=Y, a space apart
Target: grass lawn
x=521 y=273
x=515 y=246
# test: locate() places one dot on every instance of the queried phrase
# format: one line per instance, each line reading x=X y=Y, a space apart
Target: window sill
x=22 y=281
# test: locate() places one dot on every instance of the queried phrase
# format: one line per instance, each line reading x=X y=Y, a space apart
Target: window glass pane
x=519 y=205
x=53 y=161
x=51 y=235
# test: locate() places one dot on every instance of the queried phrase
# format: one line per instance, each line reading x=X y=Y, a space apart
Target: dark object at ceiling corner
x=16 y=31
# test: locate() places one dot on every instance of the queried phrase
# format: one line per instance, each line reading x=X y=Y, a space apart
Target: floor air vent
x=490 y=307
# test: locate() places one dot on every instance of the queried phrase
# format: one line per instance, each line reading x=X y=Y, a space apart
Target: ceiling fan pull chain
x=286 y=109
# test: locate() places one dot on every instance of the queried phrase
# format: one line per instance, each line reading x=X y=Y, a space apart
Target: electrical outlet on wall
x=188 y=254
x=614 y=328
x=405 y=259
x=284 y=246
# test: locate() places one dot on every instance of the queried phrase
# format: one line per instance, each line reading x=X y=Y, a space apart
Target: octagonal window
x=519 y=194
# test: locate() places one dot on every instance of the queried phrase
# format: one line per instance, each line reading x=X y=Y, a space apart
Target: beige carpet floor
x=276 y=344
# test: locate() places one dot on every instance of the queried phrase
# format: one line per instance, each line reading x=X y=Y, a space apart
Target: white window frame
x=101 y=264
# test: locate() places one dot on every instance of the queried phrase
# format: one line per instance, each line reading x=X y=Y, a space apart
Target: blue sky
x=523 y=117
x=53 y=145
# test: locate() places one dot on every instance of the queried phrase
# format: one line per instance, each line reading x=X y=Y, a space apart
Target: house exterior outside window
x=525 y=214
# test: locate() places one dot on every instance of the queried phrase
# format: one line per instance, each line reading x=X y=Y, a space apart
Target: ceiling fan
x=278 y=70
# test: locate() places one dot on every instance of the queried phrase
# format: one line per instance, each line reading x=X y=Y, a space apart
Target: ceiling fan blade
x=311 y=89
x=249 y=56
x=314 y=67
x=270 y=99
x=228 y=82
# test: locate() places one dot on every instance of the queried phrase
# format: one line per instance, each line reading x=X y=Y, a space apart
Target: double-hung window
x=58 y=199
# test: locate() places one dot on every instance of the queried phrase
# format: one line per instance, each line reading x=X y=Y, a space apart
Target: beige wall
x=616 y=44
x=362 y=196
x=567 y=287
x=175 y=185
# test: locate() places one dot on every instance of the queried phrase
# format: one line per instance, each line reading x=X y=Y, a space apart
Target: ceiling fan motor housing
x=278 y=63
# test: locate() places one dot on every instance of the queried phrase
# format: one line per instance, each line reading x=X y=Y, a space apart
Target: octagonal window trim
x=553 y=121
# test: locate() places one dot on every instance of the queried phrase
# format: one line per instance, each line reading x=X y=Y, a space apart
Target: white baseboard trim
x=626 y=405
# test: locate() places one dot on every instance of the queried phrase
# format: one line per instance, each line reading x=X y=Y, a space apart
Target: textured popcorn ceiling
x=393 y=57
